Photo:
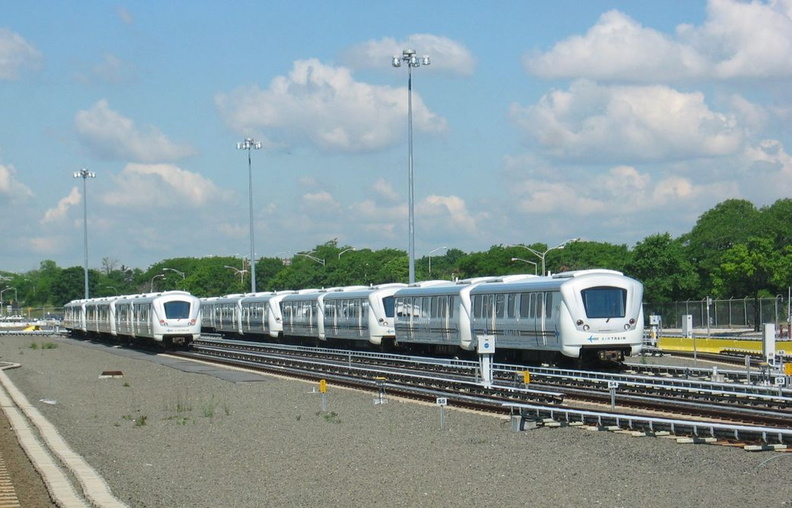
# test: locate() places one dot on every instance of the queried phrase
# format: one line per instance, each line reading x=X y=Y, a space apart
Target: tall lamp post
x=430 y=258
x=2 y=307
x=249 y=144
x=166 y=269
x=526 y=261
x=239 y=272
x=151 y=286
x=85 y=174
x=409 y=58
x=542 y=255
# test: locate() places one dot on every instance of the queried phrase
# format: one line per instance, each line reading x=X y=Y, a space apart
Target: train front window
x=177 y=310
x=605 y=302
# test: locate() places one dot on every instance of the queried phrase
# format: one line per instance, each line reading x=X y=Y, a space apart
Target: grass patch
x=331 y=417
x=45 y=345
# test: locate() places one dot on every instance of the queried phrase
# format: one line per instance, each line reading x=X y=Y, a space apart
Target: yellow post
x=322 y=386
x=526 y=377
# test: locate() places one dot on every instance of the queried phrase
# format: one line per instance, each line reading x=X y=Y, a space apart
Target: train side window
x=549 y=305
x=525 y=300
x=500 y=305
x=511 y=305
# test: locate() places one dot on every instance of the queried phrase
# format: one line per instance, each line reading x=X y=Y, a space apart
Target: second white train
x=582 y=315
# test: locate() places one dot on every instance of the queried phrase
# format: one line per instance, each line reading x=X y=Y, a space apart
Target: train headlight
x=579 y=322
x=627 y=326
x=586 y=328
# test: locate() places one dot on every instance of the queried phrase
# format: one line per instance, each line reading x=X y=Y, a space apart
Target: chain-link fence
x=732 y=313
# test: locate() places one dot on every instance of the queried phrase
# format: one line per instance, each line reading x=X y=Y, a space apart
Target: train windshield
x=177 y=310
x=389 y=303
x=604 y=302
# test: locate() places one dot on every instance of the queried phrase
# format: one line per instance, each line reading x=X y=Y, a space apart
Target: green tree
x=660 y=264
x=716 y=231
x=748 y=269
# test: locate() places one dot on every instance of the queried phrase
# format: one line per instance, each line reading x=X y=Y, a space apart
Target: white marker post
x=486 y=349
x=442 y=402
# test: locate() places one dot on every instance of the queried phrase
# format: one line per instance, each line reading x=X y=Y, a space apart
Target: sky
x=535 y=122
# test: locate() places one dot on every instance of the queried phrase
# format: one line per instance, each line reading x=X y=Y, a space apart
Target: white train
x=582 y=315
x=171 y=318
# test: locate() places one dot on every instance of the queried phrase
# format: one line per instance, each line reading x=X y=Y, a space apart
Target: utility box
x=687 y=326
x=769 y=340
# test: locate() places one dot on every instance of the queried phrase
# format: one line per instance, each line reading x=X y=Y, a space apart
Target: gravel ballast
x=162 y=437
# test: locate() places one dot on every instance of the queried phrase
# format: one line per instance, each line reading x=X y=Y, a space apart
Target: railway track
x=764 y=410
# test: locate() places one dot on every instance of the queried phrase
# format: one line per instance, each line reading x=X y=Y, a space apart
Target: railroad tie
x=8 y=496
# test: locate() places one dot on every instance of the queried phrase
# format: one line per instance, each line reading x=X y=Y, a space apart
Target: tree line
x=734 y=250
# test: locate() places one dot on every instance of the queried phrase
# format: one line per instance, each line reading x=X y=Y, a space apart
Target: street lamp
x=249 y=144
x=16 y=296
x=314 y=258
x=345 y=251
x=239 y=272
x=409 y=58
x=542 y=255
x=174 y=270
x=85 y=174
x=158 y=276
x=430 y=258
x=527 y=261
x=112 y=287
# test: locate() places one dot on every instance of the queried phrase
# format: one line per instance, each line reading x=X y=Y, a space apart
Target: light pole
x=542 y=255
x=158 y=276
x=2 y=307
x=249 y=144
x=165 y=269
x=313 y=258
x=345 y=251
x=430 y=258
x=409 y=58
x=527 y=261
x=239 y=272
x=85 y=174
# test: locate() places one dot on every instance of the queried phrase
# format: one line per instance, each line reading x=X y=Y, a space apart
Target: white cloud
x=61 y=210
x=445 y=54
x=11 y=189
x=738 y=40
x=628 y=123
x=325 y=106
x=321 y=203
x=617 y=47
x=384 y=190
x=110 y=69
x=447 y=213
x=110 y=135
x=162 y=186
x=16 y=55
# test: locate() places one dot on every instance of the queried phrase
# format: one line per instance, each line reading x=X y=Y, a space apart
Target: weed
x=209 y=408
x=331 y=417
x=34 y=345
x=140 y=420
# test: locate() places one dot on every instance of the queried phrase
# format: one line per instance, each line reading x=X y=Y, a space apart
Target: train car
x=74 y=317
x=222 y=315
x=100 y=318
x=300 y=312
x=169 y=318
x=362 y=315
x=583 y=315
x=434 y=316
x=261 y=314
